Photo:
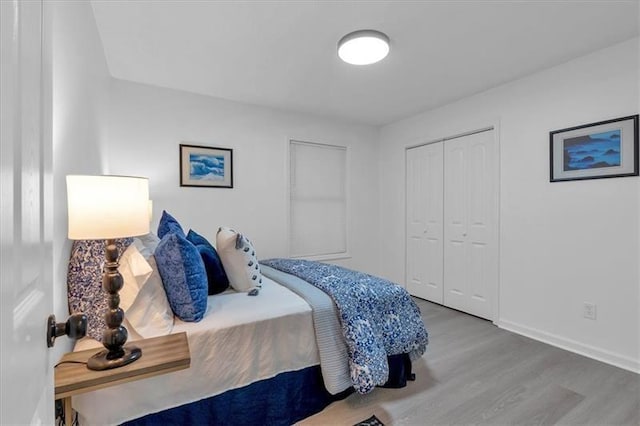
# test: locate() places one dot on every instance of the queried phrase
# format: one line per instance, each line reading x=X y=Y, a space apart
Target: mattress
x=240 y=340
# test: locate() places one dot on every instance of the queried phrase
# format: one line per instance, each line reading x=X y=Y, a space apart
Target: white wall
x=80 y=92
x=561 y=243
x=148 y=123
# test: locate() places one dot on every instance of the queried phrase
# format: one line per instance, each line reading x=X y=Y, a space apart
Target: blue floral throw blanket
x=378 y=317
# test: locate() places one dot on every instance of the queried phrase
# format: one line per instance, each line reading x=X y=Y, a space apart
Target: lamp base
x=101 y=361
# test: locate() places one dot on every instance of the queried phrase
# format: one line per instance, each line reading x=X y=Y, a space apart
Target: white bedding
x=241 y=339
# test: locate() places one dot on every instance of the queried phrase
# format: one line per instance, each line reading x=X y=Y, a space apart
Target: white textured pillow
x=150 y=314
x=146 y=244
x=135 y=272
x=239 y=259
x=142 y=296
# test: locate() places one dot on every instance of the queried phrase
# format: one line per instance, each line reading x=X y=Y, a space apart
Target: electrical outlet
x=589 y=311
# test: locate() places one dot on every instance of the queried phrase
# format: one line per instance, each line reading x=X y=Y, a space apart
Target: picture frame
x=605 y=149
x=206 y=166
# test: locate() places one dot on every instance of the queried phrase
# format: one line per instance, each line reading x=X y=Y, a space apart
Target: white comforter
x=242 y=339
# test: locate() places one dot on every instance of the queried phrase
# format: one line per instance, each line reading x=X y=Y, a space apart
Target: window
x=318 y=200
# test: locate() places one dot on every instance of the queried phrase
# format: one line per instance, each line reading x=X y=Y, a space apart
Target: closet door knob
x=464 y=234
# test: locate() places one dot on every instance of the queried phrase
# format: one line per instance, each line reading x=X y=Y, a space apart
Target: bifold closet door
x=424 y=256
x=470 y=223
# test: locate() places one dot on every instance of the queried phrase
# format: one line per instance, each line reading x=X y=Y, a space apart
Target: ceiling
x=284 y=55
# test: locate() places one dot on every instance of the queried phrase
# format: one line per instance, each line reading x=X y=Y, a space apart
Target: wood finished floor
x=475 y=373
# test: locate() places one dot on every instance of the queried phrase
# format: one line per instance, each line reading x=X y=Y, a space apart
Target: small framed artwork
x=605 y=149
x=206 y=166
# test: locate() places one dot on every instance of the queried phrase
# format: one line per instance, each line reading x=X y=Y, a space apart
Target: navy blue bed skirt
x=282 y=400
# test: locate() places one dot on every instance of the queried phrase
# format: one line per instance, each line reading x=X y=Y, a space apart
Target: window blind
x=318 y=199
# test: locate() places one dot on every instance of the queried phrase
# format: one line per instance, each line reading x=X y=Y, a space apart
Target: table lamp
x=106 y=208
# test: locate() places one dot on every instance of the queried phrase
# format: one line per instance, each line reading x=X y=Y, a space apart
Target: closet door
x=470 y=217
x=424 y=185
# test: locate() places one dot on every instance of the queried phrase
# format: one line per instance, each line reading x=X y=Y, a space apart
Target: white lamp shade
x=103 y=207
x=363 y=47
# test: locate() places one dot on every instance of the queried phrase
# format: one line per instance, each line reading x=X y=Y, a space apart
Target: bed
x=240 y=341
x=274 y=358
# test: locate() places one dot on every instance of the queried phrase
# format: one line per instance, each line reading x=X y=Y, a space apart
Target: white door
x=424 y=222
x=25 y=218
x=470 y=223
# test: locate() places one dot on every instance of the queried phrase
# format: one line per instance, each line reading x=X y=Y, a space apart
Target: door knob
x=75 y=328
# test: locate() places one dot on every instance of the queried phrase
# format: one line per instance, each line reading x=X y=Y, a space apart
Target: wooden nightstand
x=160 y=355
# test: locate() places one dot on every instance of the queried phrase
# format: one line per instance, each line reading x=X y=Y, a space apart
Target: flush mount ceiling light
x=363 y=47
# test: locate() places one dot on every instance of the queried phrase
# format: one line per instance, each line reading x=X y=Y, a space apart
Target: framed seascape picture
x=592 y=151
x=206 y=166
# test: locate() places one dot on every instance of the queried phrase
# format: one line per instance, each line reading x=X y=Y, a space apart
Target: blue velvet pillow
x=183 y=276
x=84 y=282
x=216 y=277
x=168 y=224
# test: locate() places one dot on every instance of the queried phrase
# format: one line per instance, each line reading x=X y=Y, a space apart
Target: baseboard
x=589 y=351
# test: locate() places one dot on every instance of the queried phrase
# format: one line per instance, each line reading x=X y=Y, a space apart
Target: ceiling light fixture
x=363 y=47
